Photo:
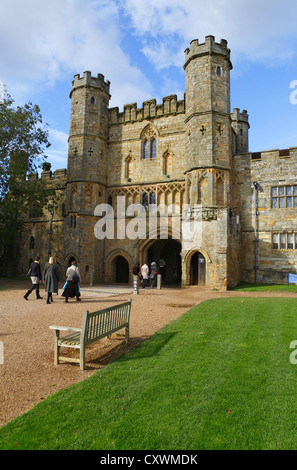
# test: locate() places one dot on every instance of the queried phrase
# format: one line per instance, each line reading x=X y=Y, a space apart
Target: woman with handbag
x=72 y=280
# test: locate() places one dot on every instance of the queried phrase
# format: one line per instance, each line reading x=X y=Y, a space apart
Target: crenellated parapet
x=209 y=47
x=150 y=109
x=87 y=81
x=243 y=116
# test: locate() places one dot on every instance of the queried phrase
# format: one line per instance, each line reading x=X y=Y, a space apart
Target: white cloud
x=255 y=30
x=45 y=42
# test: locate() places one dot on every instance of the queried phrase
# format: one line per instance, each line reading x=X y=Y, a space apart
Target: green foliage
x=219 y=377
x=23 y=140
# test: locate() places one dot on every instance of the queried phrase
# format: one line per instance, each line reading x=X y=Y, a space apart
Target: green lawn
x=248 y=287
x=219 y=377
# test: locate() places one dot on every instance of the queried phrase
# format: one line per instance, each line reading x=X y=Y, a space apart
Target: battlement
x=150 y=109
x=236 y=115
x=47 y=174
x=206 y=48
x=92 y=82
x=267 y=156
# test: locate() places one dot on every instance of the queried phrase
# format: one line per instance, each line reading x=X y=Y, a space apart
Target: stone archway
x=196 y=268
x=168 y=250
x=118 y=266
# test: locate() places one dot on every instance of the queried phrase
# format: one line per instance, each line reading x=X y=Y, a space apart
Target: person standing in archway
x=153 y=274
x=145 y=274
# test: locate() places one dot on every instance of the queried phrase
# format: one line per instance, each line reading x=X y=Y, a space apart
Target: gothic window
x=92 y=100
x=149 y=143
x=31 y=243
x=146 y=148
x=154 y=148
x=129 y=167
x=145 y=201
x=218 y=71
x=167 y=163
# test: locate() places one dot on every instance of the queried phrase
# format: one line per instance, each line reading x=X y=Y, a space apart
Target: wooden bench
x=95 y=325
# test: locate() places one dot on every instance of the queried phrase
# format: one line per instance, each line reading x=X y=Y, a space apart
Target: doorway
x=169 y=251
x=197 y=269
x=121 y=270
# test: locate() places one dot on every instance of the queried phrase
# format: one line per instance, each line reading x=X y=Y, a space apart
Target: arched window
x=92 y=100
x=154 y=148
x=145 y=200
x=146 y=148
x=167 y=163
x=31 y=243
x=218 y=71
x=129 y=167
x=149 y=142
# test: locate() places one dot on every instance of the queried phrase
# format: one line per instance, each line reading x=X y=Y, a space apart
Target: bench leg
x=82 y=357
x=127 y=333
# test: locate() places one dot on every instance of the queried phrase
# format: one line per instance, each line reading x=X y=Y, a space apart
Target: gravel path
x=28 y=374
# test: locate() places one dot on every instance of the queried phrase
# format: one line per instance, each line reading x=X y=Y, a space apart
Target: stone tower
x=86 y=178
x=209 y=147
x=208 y=124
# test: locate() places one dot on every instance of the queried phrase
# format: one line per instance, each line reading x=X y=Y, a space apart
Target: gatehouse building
x=179 y=153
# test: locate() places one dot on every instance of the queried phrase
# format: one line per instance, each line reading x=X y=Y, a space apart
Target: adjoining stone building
x=183 y=153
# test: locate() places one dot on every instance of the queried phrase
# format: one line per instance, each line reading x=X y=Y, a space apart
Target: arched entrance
x=121 y=269
x=72 y=258
x=169 y=251
x=197 y=269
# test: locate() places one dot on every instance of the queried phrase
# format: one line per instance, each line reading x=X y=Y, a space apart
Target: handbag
x=75 y=277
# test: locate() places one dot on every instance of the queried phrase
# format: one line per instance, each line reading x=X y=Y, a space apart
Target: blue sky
x=138 y=45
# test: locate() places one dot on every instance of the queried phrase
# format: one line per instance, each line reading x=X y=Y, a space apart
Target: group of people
x=51 y=279
x=147 y=273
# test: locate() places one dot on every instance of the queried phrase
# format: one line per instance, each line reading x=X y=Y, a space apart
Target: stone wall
x=270 y=169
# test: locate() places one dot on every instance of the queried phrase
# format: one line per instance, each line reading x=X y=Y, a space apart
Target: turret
x=240 y=126
x=88 y=128
x=208 y=123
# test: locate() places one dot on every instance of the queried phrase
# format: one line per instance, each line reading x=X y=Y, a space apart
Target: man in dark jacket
x=35 y=275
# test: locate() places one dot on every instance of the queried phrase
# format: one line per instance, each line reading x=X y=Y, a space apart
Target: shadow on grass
x=121 y=350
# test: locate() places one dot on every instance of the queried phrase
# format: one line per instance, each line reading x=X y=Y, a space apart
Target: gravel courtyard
x=28 y=374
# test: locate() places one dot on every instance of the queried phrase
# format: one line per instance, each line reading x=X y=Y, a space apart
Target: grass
x=249 y=287
x=219 y=377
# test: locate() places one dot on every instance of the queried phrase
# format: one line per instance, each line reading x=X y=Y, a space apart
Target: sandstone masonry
x=182 y=152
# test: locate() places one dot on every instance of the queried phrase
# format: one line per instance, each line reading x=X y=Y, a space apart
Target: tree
x=23 y=140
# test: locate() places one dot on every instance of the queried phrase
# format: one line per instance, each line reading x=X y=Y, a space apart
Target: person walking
x=153 y=273
x=145 y=274
x=35 y=275
x=51 y=279
x=72 y=280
